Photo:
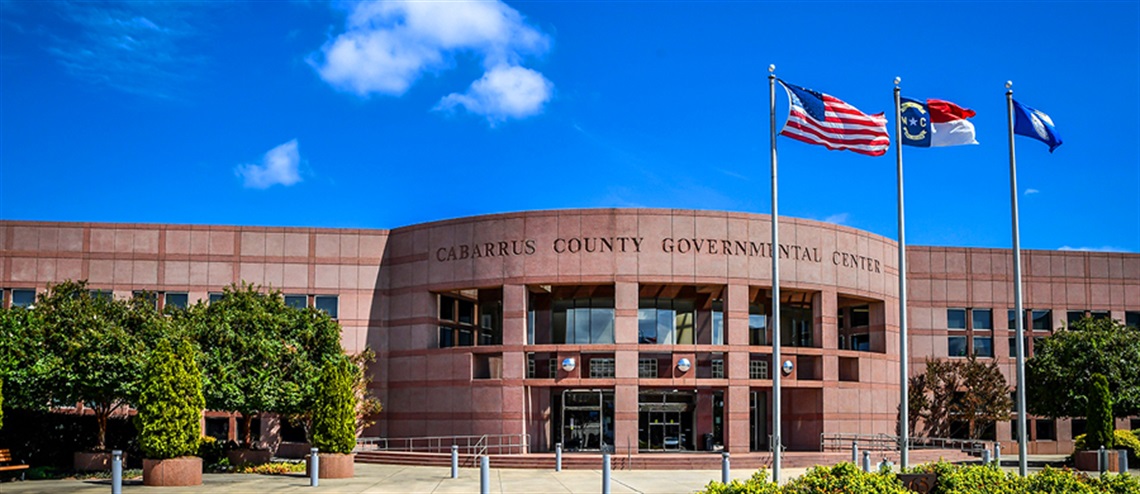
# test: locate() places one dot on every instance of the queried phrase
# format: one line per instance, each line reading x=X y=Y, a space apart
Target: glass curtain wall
x=571 y=315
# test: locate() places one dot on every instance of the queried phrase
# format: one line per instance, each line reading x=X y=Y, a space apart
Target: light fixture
x=787 y=367
x=684 y=365
x=568 y=364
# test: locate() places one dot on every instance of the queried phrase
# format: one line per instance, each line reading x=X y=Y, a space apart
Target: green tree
x=258 y=354
x=1 y=403
x=1059 y=374
x=334 y=406
x=92 y=354
x=25 y=365
x=1100 y=425
x=171 y=403
x=965 y=391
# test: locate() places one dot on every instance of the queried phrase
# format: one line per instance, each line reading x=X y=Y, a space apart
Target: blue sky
x=379 y=115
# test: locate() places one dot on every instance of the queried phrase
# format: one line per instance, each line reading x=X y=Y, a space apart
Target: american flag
x=817 y=118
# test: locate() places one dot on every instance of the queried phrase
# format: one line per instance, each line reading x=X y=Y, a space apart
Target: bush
x=211 y=450
x=1 y=403
x=278 y=468
x=170 y=405
x=1121 y=439
x=845 y=477
x=1053 y=480
x=1117 y=484
x=986 y=479
x=334 y=407
x=1099 y=414
x=757 y=484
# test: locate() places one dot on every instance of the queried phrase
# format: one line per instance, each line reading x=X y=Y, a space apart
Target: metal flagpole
x=904 y=382
x=1021 y=442
x=776 y=368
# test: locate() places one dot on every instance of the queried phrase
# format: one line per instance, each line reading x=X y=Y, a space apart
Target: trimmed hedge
x=952 y=479
x=334 y=407
x=170 y=405
x=1099 y=416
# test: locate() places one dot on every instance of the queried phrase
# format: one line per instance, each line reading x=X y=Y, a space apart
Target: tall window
x=956 y=341
x=970 y=330
x=717 y=322
x=469 y=318
x=983 y=327
x=583 y=320
x=665 y=321
x=757 y=325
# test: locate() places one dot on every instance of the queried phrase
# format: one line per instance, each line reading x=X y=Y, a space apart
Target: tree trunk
x=101 y=413
x=247 y=419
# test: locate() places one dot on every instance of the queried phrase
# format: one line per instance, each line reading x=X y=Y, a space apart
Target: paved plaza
x=411 y=479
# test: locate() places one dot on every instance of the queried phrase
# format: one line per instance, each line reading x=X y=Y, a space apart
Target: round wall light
x=787 y=367
x=568 y=364
x=684 y=365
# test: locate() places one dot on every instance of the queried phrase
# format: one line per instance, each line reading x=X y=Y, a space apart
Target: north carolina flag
x=935 y=123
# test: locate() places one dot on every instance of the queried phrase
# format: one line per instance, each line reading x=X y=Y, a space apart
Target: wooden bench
x=5 y=463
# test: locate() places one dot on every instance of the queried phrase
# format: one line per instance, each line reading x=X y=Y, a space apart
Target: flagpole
x=904 y=382
x=1021 y=439
x=775 y=326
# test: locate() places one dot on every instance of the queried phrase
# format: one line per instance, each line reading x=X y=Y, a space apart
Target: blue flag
x=1036 y=124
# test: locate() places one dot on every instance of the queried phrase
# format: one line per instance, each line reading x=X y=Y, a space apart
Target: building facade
x=631 y=330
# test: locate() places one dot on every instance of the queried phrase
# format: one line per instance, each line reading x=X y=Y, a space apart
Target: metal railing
x=495 y=444
x=887 y=442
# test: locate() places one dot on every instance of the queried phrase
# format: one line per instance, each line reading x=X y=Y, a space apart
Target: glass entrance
x=665 y=421
x=758 y=425
x=586 y=419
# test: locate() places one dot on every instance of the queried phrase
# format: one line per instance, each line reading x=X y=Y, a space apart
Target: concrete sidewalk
x=409 y=479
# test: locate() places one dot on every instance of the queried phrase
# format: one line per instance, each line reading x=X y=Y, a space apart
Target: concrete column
x=625 y=312
x=737 y=418
x=625 y=419
x=736 y=315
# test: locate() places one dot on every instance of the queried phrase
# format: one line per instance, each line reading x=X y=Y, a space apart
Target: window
x=1012 y=315
x=297 y=301
x=956 y=346
x=1078 y=427
x=601 y=367
x=718 y=369
x=1100 y=314
x=861 y=342
x=1073 y=316
x=151 y=297
x=1132 y=319
x=1046 y=429
x=647 y=368
x=956 y=318
x=983 y=346
x=583 y=321
x=757 y=327
x=101 y=294
x=1042 y=320
x=717 y=322
x=327 y=303
x=462 y=321
x=758 y=369
x=982 y=319
x=216 y=296
x=176 y=300
x=1013 y=347
x=665 y=321
x=23 y=297
x=860 y=316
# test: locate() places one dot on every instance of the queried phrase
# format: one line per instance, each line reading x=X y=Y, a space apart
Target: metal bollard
x=725 y=472
x=997 y=453
x=484 y=475
x=1102 y=460
x=1123 y=455
x=605 y=473
x=116 y=472
x=454 y=461
x=854 y=452
x=558 y=457
x=314 y=468
x=985 y=457
x=866 y=461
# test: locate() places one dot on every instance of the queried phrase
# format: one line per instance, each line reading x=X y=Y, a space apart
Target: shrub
x=211 y=450
x=977 y=479
x=1 y=403
x=845 y=477
x=1121 y=439
x=277 y=468
x=1117 y=483
x=1099 y=414
x=334 y=407
x=757 y=484
x=170 y=405
x=1053 y=480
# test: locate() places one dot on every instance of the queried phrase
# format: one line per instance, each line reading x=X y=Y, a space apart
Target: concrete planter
x=249 y=456
x=1087 y=461
x=332 y=466
x=93 y=461
x=174 y=472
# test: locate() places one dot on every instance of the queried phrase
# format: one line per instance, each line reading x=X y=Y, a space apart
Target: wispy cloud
x=1031 y=191
x=1094 y=249
x=280 y=166
x=838 y=219
x=388 y=45
x=134 y=47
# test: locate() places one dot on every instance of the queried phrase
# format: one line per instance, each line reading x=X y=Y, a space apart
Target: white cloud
x=1094 y=249
x=1031 y=191
x=278 y=167
x=503 y=92
x=838 y=218
x=388 y=45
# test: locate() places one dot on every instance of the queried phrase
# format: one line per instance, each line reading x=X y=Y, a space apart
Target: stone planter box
x=249 y=456
x=94 y=461
x=1086 y=461
x=180 y=472
x=332 y=466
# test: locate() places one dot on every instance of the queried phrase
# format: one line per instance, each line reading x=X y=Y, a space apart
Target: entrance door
x=758 y=425
x=586 y=420
x=665 y=421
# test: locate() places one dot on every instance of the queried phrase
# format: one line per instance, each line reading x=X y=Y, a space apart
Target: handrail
x=508 y=444
x=887 y=442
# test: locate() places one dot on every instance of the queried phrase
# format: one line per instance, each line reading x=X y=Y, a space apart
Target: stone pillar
x=625 y=419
